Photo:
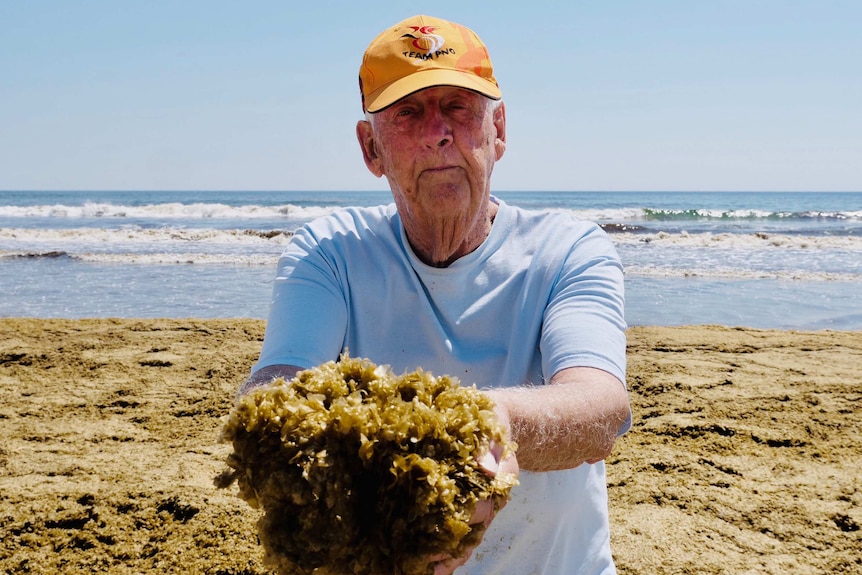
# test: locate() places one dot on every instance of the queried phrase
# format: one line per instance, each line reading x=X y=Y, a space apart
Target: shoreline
x=743 y=456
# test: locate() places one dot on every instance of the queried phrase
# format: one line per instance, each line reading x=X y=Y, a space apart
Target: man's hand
x=267 y=375
x=494 y=462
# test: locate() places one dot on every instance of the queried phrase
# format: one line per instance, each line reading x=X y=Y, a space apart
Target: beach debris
x=359 y=470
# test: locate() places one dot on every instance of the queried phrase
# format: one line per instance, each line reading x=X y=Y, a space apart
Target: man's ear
x=365 y=135
x=500 y=125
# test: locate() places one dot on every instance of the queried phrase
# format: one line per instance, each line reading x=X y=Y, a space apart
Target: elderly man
x=529 y=306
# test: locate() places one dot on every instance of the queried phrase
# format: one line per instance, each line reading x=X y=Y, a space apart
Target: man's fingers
x=493 y=462
x=489 y=462
x=509 y=465
x=483 y=513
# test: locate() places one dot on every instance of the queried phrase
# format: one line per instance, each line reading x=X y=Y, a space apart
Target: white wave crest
x=149 y=236
x=144 y=235
x=166 y=211
x=740 y=241
x=603 y=215
x=165 y=258
x=738 y=274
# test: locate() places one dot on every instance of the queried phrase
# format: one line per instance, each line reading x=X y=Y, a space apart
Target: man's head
x=422 y=52
x=435 y=126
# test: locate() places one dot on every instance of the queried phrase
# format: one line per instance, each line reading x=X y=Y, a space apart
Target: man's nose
x=436 y=130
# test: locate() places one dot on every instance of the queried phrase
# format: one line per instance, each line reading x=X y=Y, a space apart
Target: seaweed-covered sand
x=744 y=456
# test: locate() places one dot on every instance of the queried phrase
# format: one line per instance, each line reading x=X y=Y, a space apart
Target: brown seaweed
x=358 y=470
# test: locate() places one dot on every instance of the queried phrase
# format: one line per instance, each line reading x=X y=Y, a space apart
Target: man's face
x=437 y=149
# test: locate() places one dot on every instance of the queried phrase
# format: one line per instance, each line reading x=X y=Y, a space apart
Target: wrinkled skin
x=437 y=149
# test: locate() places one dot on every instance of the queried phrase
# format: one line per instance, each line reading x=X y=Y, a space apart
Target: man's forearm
x=572 y=420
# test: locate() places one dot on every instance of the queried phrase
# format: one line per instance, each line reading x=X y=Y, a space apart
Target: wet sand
x=744 y=457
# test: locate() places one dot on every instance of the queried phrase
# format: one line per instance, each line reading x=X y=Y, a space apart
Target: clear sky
x=262 y=95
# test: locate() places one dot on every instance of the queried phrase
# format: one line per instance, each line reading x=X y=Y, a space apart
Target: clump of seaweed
x=358 y=470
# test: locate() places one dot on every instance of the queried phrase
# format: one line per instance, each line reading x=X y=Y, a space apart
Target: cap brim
x=388 y=95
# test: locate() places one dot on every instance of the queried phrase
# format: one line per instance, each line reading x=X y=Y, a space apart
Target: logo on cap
x=427 y=41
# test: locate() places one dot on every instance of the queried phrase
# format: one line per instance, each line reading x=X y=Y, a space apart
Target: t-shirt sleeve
x=584 y=323
x=308 y=312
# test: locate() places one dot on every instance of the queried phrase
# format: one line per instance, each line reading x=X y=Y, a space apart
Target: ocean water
x=770 y=260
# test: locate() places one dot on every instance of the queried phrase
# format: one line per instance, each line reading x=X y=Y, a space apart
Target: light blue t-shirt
x=543 y=292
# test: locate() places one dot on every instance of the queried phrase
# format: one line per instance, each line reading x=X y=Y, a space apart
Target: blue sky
x=262 y=95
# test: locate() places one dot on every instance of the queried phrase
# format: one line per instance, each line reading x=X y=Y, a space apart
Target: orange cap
x=422 y=52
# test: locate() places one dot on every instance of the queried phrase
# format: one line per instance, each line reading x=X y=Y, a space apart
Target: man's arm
x=266 y=375
x=574 y=419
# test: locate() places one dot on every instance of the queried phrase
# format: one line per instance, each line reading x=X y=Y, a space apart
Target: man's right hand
x=494 y=462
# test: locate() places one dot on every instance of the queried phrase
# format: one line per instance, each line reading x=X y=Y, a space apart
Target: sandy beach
x=744 y=457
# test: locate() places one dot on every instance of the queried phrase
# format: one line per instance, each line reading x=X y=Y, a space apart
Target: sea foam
x=165 y=211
